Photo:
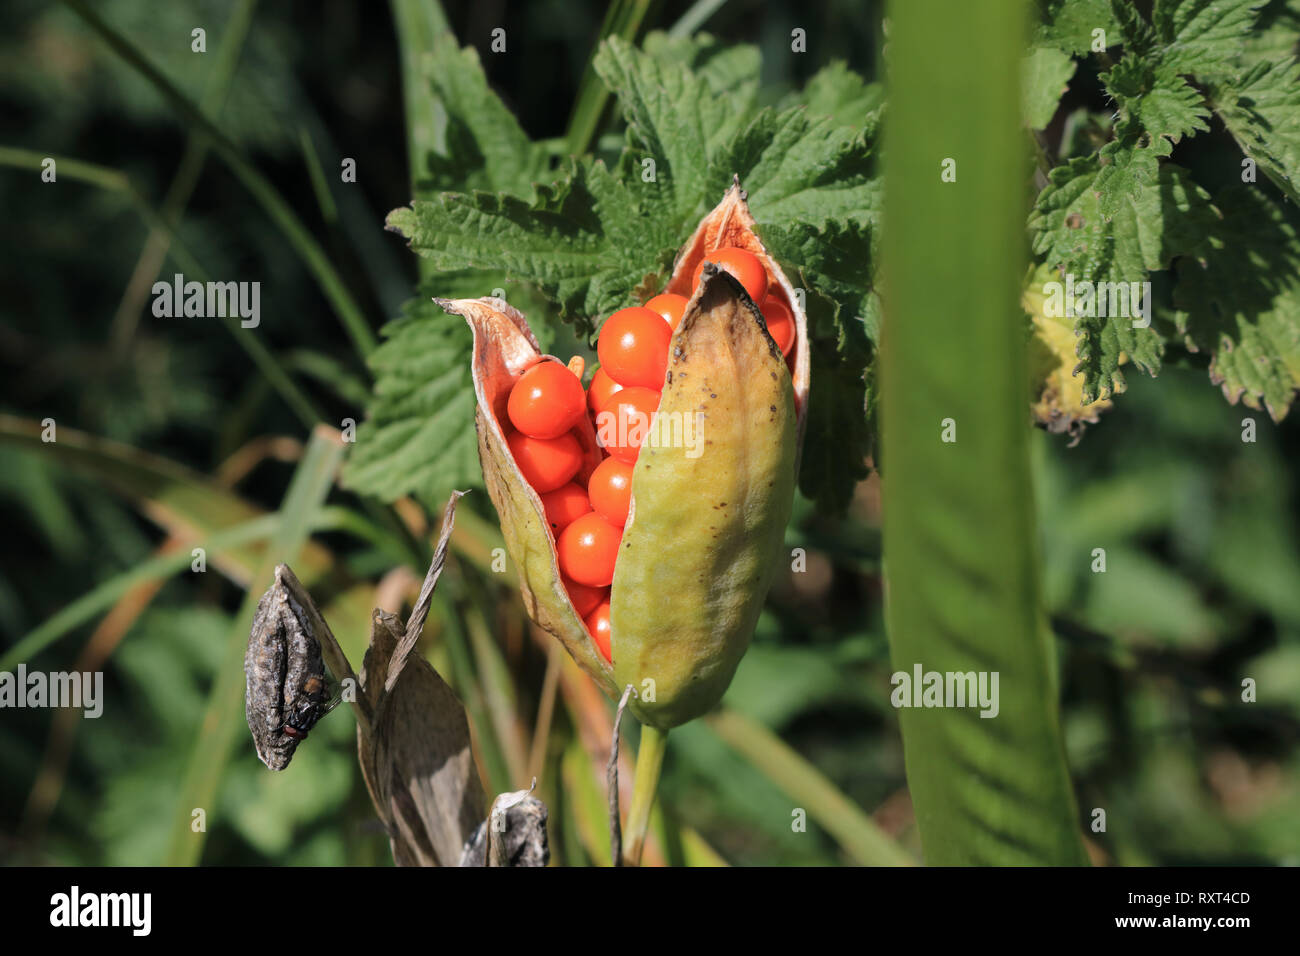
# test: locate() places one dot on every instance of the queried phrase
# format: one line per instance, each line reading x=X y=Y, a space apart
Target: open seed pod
x=712 y=488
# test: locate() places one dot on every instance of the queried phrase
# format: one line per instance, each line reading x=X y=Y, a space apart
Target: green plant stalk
x=308 y=249
x=694 y=18
x=645 y=783
x=219 y=729
x=624 y=18
x=960 y=542
x=810 y=789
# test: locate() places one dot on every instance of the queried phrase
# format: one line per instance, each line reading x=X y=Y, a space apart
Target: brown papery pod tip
x=504 y=348
x=731 y=224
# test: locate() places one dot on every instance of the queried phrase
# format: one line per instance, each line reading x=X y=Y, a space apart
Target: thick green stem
x=649 y=762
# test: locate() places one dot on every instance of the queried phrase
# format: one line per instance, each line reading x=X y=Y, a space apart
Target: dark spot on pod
x=670 y=376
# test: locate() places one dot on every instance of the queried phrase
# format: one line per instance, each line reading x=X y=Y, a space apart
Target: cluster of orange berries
x=548 y=402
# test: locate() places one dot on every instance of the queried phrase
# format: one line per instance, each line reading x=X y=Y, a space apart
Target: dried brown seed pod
x=285 y=689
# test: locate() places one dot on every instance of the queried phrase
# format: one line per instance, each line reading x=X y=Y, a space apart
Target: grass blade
x=624 y=18
x=844 y=820
x=308 y=249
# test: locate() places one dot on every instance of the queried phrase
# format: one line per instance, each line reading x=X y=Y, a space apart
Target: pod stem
x=649 y=762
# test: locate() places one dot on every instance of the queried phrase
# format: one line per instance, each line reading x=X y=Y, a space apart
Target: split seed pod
x=711 y=490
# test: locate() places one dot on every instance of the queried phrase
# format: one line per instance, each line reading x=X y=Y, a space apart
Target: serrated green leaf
x=1261 y=108
x=1157 y=98
x=1128 y=169
x=838 y=92
x=582 y=241
x=1069 y=24
x=1241 y=301
x=1044 y=75
x=419 y=438
x=1276 y=34
x=730 y=70
x=485 y=148
x=1149 y=224
x=1202 y=36
x=674 y=118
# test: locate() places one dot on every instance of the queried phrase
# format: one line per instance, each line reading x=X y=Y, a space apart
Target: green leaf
x=582 y=241
x=1241 y=302
x=1261 y=108
x=674 y=118
x=483 y=145
x=1115 y=223
x=838 y=92
x=1156 y=98
x=1202 y=36
x=729 y=70
x=1045 y=73
x=419 y=438
x=1069 y=24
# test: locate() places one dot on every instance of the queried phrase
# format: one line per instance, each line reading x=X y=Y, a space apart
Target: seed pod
x=285 y=686
x=707 y=514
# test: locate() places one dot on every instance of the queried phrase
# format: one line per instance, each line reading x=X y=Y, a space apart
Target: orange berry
x=598 y=627
x=546 y=401
x=587 y=550
x=601 y=388
x=671 y=306
x=742 y=264
x=546 y=463
x=585 y=599
x=780 y=323
x=563 y=505
x=633 y=347
x=624 y=423
x=610 y=490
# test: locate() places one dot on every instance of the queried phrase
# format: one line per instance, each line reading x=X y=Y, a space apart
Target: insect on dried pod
x=286 y=691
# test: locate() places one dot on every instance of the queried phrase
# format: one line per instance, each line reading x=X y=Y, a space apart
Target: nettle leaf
x=842 y=94
x=1139 y=35
x=1069 y=24
x=485 y=147
x=1156 y=98
x=1202 y=36
x=1145 y=225
x=674 y=118
x=1261 y=109
x=1130 y=165
x=1241 y=301
x=1276 y=34
x=1044 y=76
x=730 y=70
x=419 y=438
x=585 y=242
